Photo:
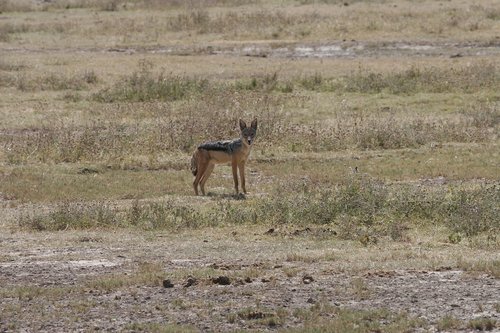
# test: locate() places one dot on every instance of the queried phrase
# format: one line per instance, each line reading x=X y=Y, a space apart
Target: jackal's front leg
x=234 y=165
x=241 y=167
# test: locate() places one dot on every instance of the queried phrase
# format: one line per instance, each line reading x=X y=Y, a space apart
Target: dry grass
x=144 y=23
x=163 y=121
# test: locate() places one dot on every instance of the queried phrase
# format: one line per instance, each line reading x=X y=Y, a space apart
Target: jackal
x=236 y=151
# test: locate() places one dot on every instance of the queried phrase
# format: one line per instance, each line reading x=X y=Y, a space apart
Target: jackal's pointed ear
x=254 y=124
x=243 y=125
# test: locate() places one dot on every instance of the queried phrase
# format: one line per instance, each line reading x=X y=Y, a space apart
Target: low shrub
x=72 y=216
x=164 y=215
x=471 y=212
x=143 y=86
x=360 y=208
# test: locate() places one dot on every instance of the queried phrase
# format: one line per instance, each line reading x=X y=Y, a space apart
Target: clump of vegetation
x=448 y=323
x=364 y=207
x=409 y=81
x=361 y=208
x=430 y=80
x=143 y=86
x=165 y=215
x=318 y=319
x=471 y=212
x=482 y=324
x=55 y=81
x=71 y=216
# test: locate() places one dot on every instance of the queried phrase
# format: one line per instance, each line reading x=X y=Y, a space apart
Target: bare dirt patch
x=342 y=49
x=221 y=281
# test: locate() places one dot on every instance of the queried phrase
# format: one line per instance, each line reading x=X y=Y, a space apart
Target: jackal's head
x=248 y=133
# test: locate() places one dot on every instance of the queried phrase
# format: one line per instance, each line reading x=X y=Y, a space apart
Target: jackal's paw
x=240 y=196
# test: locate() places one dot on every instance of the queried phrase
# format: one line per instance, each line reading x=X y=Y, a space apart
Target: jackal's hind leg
x=205 y=176
x=202 y=166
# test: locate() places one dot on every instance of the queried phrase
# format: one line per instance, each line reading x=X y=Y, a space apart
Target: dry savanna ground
x=374 y=182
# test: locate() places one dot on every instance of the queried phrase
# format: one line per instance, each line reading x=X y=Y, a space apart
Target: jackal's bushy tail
x=194 y=163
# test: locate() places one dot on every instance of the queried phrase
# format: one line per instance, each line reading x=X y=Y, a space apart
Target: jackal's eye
x=249 y=133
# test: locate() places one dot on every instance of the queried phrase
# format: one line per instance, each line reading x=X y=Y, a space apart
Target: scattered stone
x=248 y=280
x=167 y=283
x=270 y=231
x=221 y=267
x=311 y=300
x=222 y=280
x=265 y=280
x=255 y=315
x=86 y=239
x=444 y=268
x=239 y=282
x=87 y=171
x=191 y=281
x=307 y=279
x=298 y=232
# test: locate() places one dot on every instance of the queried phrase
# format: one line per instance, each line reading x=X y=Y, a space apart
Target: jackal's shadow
x=227 y=196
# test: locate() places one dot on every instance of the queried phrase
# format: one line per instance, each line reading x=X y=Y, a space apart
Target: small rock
x=86 y=171
x=311 y=300
x=307 y=279
x=248 y=280
x=167 y=283
x=191 y=281
x=222 y=280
